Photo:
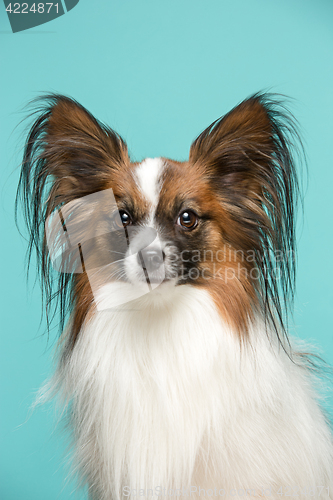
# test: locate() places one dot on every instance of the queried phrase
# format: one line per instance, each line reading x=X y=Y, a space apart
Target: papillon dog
x=173 y=281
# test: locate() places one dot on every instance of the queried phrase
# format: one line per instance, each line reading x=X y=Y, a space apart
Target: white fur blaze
x=148 y=175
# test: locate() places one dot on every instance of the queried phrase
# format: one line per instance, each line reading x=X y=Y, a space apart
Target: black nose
x=151 y=258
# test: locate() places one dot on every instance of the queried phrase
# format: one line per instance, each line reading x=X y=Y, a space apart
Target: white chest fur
x=165 y=397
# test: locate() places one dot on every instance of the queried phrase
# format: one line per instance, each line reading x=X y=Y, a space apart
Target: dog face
x=175 y=221
x=130 y=228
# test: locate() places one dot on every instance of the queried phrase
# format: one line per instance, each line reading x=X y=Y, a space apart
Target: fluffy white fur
x=164 y=395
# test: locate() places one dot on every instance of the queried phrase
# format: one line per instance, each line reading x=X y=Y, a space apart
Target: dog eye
x=188 y=219
x=125 y=219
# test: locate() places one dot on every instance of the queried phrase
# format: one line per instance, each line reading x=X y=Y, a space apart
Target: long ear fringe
x=54 y=154
x=281 y=202
x=266 y=217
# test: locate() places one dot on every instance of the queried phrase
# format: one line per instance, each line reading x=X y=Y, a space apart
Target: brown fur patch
x=221 y=270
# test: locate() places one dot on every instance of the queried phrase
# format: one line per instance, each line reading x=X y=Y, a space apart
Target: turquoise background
x=158 y=72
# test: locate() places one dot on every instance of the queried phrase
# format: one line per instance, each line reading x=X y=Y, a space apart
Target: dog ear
x=69 y=147
x=246 y=149
x=247 y=156
x=68 y=155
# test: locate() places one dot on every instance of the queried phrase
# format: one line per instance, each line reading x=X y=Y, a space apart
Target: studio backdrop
x=158 y=72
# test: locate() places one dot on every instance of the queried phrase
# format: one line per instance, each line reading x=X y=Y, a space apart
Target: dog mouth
x=153 y=279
